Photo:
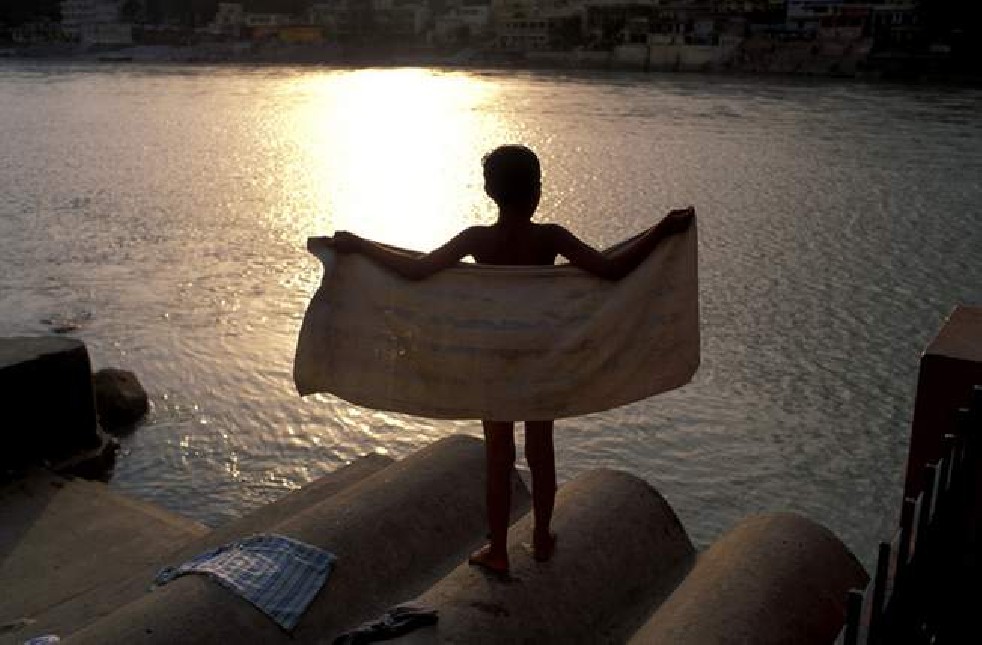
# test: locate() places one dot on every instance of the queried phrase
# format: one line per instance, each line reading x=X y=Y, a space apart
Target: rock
x=47 y=402
x=120 y=399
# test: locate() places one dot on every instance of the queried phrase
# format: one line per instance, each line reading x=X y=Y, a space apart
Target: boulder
x=120 y=399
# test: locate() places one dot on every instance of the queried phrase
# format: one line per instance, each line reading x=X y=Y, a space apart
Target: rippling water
x=164 y=211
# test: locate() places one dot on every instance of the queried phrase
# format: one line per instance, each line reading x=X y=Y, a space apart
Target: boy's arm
x=619 y=265
x=409 y=266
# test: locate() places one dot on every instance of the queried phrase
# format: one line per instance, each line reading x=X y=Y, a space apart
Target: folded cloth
x=502 y=343
x=395 y=622
x=277 y=574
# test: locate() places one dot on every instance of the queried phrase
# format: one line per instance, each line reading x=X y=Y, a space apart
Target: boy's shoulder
x=552 y=231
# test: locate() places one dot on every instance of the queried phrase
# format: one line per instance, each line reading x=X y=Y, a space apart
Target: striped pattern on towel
x=277 y=574
x=502 y=343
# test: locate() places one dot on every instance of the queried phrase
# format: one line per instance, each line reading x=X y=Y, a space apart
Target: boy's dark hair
x=512 y=175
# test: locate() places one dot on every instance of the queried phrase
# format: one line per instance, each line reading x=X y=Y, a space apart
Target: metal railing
x=920 y=590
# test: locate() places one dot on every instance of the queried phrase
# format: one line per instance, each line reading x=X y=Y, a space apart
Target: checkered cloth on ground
x=277 y=574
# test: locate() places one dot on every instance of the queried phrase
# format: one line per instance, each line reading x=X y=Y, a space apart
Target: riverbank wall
x=79 y=559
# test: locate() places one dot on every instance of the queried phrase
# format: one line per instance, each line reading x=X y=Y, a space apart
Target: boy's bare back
x=523 y=243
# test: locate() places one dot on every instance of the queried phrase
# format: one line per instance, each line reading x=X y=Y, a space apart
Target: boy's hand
x=345 y=242
x=679 y=219
x=314 y=243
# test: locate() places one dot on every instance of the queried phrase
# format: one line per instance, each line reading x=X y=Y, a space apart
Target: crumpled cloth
x=277 y=574
x=502 y=343
x=395 y=622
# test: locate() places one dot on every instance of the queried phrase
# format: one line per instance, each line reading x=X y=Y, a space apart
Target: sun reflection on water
x=394 y=155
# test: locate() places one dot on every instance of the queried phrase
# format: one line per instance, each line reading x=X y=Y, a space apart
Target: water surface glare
x=163 y=210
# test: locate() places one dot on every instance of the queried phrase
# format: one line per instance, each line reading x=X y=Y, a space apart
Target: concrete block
x=47 y=400
x=950 y=366
x=620 y=551
x=772 y=579
x=394 y=533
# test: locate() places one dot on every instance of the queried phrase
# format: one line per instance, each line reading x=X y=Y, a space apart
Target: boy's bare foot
x=489 y=561
x=543 y=547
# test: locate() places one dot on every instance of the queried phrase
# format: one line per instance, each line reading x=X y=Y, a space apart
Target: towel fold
x=501 y=343
x=277 y=574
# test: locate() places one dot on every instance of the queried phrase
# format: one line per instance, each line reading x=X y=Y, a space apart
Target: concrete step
x=620 y=551
x=61 y=538
x=82 y=604
x=394 y=533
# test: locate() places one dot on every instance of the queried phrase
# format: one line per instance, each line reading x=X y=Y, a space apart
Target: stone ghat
x=77 y=560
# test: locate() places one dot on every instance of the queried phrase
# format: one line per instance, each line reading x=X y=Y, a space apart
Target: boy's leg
x=541 y=458
x=499 y=439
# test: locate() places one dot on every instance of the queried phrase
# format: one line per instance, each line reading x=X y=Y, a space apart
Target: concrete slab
x=60 y=538
x=772 y=579
x=393 y=532
x=69 y=616
x=621 y=550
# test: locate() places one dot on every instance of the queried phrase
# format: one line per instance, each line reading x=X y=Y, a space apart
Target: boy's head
x=512 y=178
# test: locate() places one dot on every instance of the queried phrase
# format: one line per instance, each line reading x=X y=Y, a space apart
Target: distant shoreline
x=477 y=60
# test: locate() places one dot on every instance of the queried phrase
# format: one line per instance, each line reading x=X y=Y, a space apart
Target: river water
x=163 y=212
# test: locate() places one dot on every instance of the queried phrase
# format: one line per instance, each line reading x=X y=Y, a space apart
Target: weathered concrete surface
x=393 y=532
x=261 y=519
x=120 y=399
x=63 y=538
x=113 y=592
x=950 y=366
x=48 y=405
x=621 y=550
x=772 y=579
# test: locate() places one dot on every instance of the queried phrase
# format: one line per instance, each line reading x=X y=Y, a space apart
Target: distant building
x=269 y=19
x=895 y=24
x=530 y=25
x=344 y=20
x=229 y=19
x=360 y=21
x=463 y=22
x=675 y=22
x=400 y=19
x=816 y=15
x=523 y=34
x=41 y=30
x=95 y=22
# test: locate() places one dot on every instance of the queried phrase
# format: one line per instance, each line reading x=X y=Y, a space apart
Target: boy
x=512 y=178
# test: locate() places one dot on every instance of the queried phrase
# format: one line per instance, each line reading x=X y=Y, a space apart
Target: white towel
x=501 y=343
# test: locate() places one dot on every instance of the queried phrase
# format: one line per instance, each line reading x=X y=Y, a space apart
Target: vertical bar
x=906 y=534
x=854 y=610
x=879 y=591
x=927 y=501
x=949 y=445
x=964 y=422
x=976 y=405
